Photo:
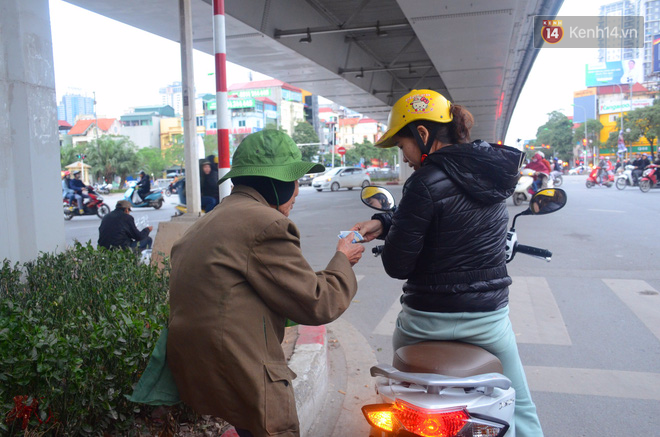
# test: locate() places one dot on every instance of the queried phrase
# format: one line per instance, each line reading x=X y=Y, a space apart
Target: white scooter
x=625 y=178
x=521 y=193
x=448 y=388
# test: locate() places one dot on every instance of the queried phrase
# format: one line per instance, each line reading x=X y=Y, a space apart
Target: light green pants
x=491 y=331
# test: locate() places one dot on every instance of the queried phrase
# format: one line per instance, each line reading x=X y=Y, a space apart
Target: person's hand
x=353 y=251
x=151 y=228
x=370 y=229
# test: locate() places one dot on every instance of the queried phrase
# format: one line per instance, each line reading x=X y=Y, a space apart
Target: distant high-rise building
x=172 y=95
x=74 y=105
x=626 y=9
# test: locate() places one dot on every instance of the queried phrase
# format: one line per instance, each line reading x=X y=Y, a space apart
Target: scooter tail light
x=431 y=423
x=382 y=416
x=402 y=418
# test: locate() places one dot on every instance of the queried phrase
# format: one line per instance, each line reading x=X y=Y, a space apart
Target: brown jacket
x=237 y=275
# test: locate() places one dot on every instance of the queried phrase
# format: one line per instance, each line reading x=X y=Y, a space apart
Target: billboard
x=614 y=72
x=613 y=106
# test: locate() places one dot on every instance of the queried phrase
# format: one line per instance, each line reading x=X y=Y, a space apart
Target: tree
x=644 y=122
x=174 y=153
x=304 y=133
x=210 y=145
x=69 y=154
x=557 y=132
x=151 y=161
x=112 y=155
x=593 y=131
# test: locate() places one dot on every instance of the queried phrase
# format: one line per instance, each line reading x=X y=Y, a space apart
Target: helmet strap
x=425 y=148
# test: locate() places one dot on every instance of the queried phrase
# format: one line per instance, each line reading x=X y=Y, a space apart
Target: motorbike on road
x=625 y=178
x=93 y=205
x=592 y=179
x=153 y=199
x=649 y=178
x=524 y=190
x=450 y=388
x=556 y=178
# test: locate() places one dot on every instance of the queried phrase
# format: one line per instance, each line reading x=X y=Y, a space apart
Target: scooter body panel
x=153 y=199
x=499 y=405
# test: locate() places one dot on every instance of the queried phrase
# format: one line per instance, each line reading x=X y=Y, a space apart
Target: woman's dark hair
x=457 y=131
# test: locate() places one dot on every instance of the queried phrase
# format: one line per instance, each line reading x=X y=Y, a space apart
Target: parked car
x=306 y=180
x=577 y=170
x=342 y=177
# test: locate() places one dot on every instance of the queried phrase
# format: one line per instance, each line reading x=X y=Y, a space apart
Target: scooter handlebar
x=534 y=251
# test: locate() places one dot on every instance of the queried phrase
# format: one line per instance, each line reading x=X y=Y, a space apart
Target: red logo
x=552 y=31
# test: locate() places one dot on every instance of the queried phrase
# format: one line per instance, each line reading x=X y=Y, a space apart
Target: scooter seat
x=450 y=358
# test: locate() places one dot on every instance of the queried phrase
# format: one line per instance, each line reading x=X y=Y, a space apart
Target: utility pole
x=193 y=195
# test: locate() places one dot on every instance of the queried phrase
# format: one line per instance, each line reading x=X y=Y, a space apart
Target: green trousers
x=491 y=331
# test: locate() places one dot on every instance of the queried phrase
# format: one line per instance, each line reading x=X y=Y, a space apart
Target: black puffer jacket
x=448 y=235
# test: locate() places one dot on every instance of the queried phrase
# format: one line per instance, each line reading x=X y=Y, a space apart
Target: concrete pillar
x=31 y=218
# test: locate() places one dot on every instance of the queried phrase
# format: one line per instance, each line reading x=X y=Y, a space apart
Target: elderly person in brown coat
x=237 y=275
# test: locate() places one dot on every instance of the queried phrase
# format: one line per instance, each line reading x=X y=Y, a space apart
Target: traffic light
x=82 y=156
x=584 y=141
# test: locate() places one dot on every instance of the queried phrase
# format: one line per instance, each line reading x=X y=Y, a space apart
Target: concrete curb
x=310 y=363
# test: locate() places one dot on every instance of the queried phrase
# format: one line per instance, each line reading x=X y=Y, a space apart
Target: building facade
x=89 y=129
x=142 y=125
x=284 y=106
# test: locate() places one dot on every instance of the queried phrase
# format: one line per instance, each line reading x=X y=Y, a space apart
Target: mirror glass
x=377 y=198
x=547 y=200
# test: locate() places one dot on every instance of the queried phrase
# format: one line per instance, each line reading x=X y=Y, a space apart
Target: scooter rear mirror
x=544 y=201
x=547 y=200
x=377 y=198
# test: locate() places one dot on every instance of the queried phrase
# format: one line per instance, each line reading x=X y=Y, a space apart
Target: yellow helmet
x=416 y=105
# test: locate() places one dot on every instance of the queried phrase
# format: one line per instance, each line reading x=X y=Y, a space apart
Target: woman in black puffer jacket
x=447 y=237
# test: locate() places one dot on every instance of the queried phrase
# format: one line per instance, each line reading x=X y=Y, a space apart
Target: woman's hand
x=353 y=251
x=370 y=229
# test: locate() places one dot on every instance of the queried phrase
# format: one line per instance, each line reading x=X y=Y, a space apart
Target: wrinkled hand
x=353 y=251
x=370 y=229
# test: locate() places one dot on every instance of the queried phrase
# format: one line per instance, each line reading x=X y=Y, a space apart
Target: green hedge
x=76 y=331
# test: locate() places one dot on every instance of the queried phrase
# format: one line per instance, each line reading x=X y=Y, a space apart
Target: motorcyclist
x=78 y=186
x=604 y=166
x=640 y=164
x=447 y=237
x=67 y=192
x=556 y=166
x=143 y=186
x=541 y=169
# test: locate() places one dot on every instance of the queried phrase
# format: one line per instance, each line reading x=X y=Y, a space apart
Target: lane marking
x=359 y=277
x=595 y=382
x=534 y=313
x=641 y=298
x=607 y=210
x=388 y=322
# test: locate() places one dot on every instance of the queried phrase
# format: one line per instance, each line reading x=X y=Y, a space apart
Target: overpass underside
x=365 y=54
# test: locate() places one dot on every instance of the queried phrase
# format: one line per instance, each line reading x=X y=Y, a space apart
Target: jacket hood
x=487 y=173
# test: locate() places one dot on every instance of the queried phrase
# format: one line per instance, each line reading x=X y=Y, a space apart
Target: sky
x=94 y=54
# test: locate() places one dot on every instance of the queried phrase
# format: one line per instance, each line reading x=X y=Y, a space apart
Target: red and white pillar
x=222 y=111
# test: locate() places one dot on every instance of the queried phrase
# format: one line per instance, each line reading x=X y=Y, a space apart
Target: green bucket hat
x=270 y=153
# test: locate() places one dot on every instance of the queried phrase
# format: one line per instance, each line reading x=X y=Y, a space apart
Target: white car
x=342 y=177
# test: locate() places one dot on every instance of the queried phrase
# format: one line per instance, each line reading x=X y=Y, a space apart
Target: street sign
x=341 y=150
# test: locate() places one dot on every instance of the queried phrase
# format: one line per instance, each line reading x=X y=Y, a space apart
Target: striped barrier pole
x=222 y=110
